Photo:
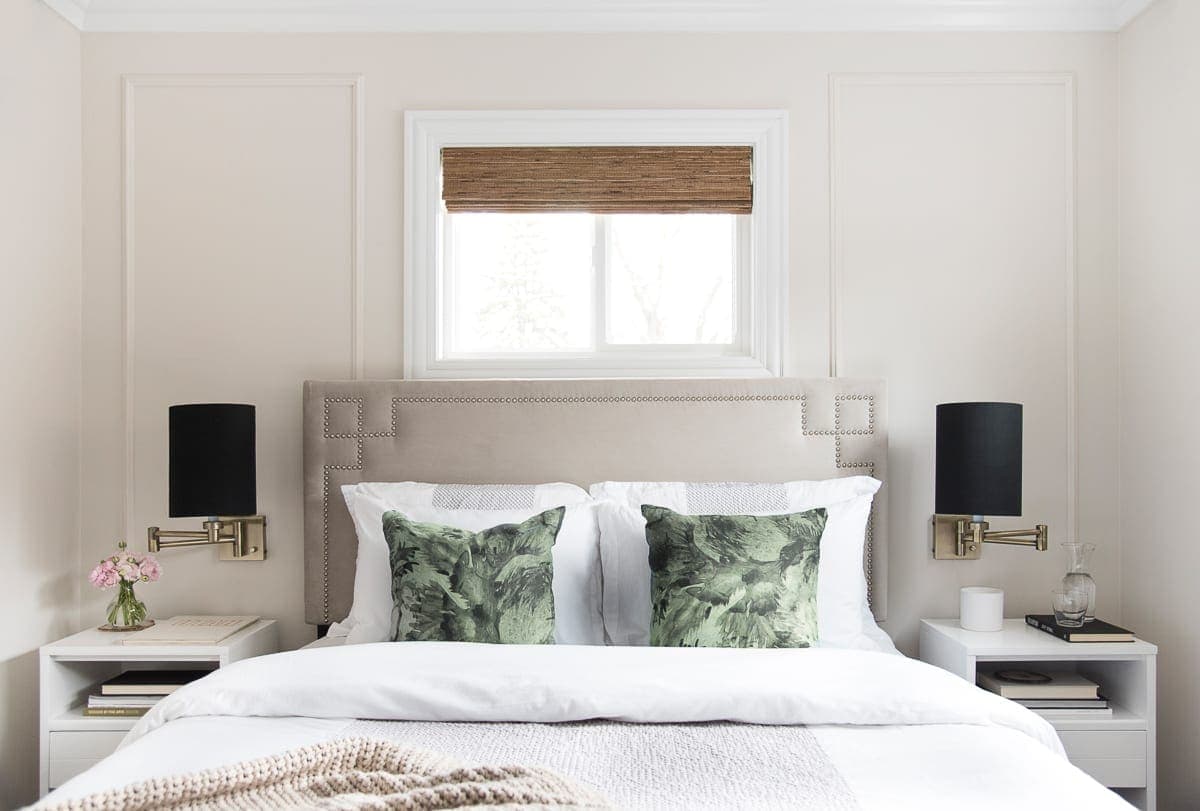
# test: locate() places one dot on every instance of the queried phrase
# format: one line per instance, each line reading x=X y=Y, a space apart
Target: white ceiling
x=599 y=15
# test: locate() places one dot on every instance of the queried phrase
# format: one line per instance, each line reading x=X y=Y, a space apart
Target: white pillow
x=842 y=613
x=577 y=592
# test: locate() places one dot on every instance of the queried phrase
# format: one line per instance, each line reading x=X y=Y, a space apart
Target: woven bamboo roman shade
x=599 y=179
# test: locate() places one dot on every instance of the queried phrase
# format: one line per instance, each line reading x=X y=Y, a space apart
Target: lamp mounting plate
x=945 y=539
x=256 y=538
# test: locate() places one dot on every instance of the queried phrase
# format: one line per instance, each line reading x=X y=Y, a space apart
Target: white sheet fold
x=448 y=681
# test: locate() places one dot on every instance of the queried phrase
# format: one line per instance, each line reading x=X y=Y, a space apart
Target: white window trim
x=427 y=132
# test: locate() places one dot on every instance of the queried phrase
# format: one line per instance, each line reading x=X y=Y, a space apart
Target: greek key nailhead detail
x=868 y=466
x=358 y=436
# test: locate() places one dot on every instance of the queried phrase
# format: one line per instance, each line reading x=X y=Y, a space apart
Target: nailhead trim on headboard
x=359 y=437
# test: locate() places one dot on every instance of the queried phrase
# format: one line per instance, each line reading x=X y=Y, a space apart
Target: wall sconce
x=212 y=474
x=978 y=473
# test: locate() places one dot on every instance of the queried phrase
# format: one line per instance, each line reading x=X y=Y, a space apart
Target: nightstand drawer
x=60 y=771
x=83 y=745
x=1115 y=758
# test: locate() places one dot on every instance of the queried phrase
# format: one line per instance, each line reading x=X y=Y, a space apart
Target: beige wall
x=954 y=235
x=39 y=364
x=1160 y=288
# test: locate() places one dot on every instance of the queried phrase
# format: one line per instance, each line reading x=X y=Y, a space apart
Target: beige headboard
x=581 y=431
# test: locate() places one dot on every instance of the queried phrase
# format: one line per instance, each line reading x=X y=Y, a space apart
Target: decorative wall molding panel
x=599 y=15
x=839 y=86
x=136 y=390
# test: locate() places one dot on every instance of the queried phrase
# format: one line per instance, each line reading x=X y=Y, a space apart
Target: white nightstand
x=71 y=668
x=1117 y=751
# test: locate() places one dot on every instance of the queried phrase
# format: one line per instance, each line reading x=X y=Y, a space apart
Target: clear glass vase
x=126 y=611
x=1079 y=562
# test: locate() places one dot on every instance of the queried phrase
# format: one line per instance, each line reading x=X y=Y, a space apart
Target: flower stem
x=126 y=609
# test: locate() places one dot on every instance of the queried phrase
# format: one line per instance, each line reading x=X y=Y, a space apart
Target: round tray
x=126 y=629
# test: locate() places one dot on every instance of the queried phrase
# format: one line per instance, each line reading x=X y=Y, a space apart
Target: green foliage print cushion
x=733 y=581
x=455 y=585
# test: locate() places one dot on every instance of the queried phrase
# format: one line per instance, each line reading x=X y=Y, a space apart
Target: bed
x=644 y=727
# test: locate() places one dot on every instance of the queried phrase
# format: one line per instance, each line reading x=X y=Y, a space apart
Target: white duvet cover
x=832 y=728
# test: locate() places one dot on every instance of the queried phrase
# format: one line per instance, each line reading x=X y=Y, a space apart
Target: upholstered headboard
x=581 y=431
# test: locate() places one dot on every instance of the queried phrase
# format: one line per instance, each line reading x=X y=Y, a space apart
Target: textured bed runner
x=348 y=773
x=650 y=766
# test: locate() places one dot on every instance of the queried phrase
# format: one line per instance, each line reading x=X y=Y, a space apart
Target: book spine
x=119 y=712
x=141 y=690
x=1050 y=629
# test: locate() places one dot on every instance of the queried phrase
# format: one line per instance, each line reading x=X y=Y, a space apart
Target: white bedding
x=871 y=631
x=883 y=730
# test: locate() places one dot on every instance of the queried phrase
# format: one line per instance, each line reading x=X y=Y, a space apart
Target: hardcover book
x=190 y=630
x=1016 y=683
x=1066 y=715
x=149 y=682
x=122 y=702
x=1094 y=631
x=1064 y=703
x=115 y=712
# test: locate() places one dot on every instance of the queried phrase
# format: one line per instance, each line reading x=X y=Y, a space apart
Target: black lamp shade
x=212 y=460
x=978 y=459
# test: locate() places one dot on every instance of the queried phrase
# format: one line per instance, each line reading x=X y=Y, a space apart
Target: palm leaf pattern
x=459 y=586
x=733 y=581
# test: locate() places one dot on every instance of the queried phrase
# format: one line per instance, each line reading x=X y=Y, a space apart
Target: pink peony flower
x=150 y=568
x=105 y=575
x=128 y=570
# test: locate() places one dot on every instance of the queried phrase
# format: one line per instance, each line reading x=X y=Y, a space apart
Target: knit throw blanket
x=351 y=773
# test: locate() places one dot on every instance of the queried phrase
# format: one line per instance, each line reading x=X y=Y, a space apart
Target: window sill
x=733 y=367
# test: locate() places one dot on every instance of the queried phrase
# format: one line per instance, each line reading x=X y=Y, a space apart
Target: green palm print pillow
x=733 y=581
x=455 y=585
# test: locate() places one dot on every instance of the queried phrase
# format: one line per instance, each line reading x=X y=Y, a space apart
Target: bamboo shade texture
x=599 y=179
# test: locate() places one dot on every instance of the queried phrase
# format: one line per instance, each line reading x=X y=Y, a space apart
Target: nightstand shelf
x=1122 y=719
x=1118 y=751
x=72 y=668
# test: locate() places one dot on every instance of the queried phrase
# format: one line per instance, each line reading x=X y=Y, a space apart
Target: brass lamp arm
x=244 y=534
x=185 y=539
x=1020 y=537
x=960 y=538
x=977 y=532
x=1015 y=541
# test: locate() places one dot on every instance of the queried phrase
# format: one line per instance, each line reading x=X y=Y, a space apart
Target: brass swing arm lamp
x=978 y=473
x=213 y=473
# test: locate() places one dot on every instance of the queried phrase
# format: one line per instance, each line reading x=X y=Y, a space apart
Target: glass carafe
x=1079 y=561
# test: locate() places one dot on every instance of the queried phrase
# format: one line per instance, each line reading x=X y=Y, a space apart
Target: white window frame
x=762 y=293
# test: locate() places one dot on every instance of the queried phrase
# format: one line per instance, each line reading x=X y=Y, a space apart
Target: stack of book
x=1052 y=694
x=134 y=692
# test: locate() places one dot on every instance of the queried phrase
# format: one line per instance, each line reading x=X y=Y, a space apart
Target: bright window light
x=519 y=283
x=671 y=278
x=547 y=283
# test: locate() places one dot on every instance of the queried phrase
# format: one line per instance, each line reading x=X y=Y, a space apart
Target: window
x=521 y=263
x=586 y=283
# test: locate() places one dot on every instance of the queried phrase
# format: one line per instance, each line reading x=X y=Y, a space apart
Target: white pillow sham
x=577 y=590
x=843 y=618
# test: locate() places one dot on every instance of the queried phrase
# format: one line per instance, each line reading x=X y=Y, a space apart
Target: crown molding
x=597 y=15
x=1127 y=10
x=73 y=11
